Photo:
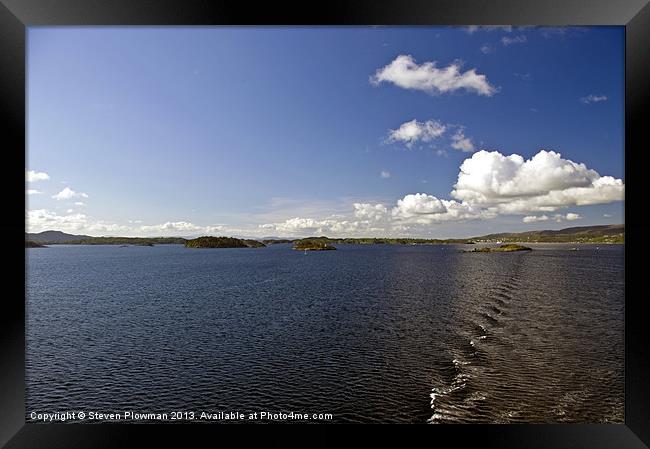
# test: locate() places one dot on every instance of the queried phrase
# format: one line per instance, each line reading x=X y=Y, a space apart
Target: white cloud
x=404 y=72
x=384 y=174
x=545 y=182
x=506 y=40
x=418 y=204
x=41 y=220
x=414 y=211
x=607 y=215
x=215 y=229
x=534 y=218
x=366 y=211
x=593 y=99
x=33 y=192
x=423 y=209
x=33 y=176
x=175 y=228
x=182 y=226
x=79 y=203
x=309 y=226
x=557 y=217
x=460 y=142
x=568 y=217
x=67 y=193
x=414 y=131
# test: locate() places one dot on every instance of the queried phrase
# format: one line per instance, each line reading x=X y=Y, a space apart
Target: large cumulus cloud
x=546 y=182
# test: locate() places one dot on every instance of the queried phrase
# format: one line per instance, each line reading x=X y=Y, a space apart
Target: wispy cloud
x=486 y=49
x=33 y=192
x=174 y=226
x=413 y=131
x=384 y=174
x=507 y=40
x=404 y=72
x=460 y=142
x=557 y=217
x=593 y=99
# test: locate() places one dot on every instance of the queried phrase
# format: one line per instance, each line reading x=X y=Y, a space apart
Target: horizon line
x=323 y=236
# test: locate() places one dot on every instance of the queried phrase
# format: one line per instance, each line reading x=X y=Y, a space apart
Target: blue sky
x=281 y=131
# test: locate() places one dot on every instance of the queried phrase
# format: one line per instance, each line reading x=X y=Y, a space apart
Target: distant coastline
x=603 y=234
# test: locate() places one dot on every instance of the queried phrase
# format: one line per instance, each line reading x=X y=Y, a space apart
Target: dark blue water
x=367 y=333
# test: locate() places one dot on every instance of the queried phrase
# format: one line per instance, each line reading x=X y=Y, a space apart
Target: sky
x=435 y=132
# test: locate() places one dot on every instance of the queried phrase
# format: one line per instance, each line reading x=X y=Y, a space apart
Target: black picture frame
x=17 y=15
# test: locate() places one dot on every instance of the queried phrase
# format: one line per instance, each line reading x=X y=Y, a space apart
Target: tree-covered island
x=222 y=242
x=312 y=245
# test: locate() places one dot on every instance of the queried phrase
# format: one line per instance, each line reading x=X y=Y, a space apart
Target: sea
x=364 y=334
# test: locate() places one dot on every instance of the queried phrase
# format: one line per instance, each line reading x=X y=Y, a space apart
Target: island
x=507 y=248
x=223 y=242
x=31 y=244
x=312 y=245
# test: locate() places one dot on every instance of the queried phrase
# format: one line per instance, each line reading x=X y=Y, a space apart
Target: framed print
x=357 y=213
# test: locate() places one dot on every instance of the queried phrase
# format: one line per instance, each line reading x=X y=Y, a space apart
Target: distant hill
x=594 y=234
x=53 y=237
